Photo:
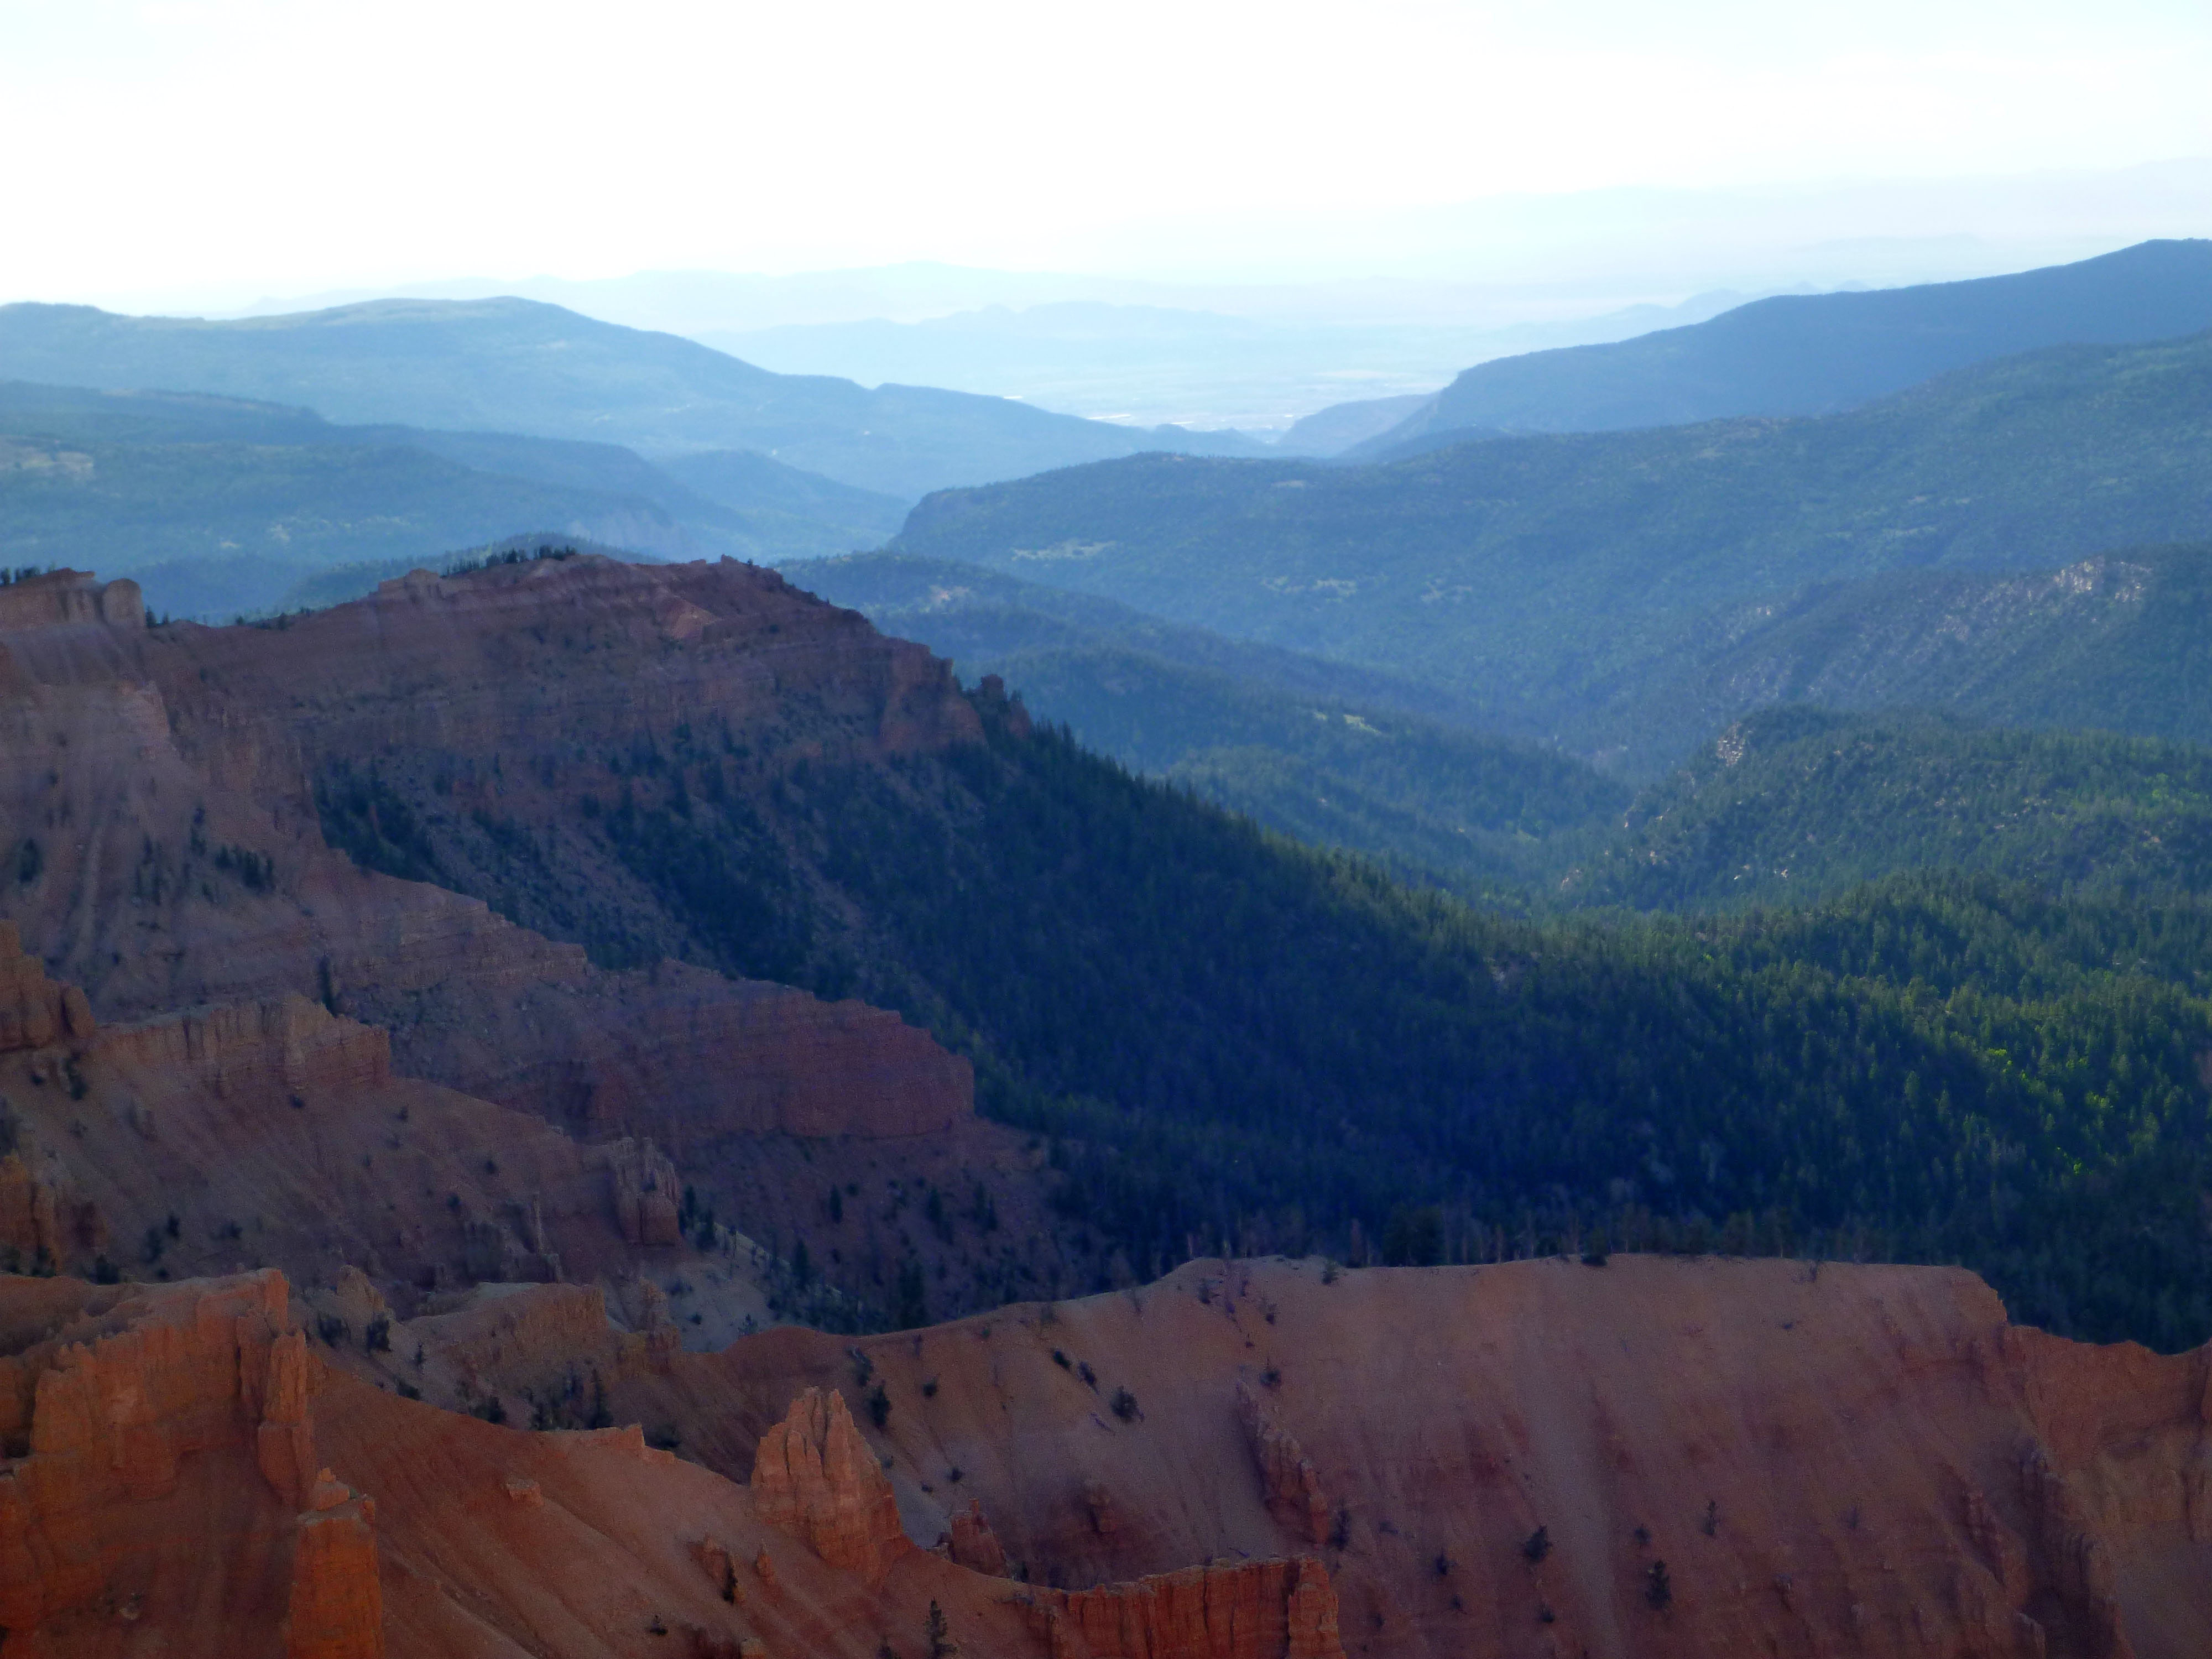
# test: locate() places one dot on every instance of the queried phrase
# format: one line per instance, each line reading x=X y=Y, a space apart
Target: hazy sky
x=288 y=146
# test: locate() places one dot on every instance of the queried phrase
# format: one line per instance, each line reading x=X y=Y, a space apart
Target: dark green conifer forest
x=1232 y=1040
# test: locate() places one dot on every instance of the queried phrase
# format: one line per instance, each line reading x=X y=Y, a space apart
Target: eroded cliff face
x=161 y=813
x=1231 y=1610
x=814 y=1476
x=1869 y=1462
x=167 y=1481
x=1845 y=1461
x=162 y=853
x=190 y=1480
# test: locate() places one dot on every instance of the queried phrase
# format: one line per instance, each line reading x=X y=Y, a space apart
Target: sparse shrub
x=491 y=1409
x=1340 y=1530
x=1539 y=1544
x=1126 y=1408
x=376 y=1336
x=879 y=1407
x=1089 y=1377
x=929 y=1388
x=1711 y=1523
x=1059 y=1358
x=333 y=1329
x=1658 y=1589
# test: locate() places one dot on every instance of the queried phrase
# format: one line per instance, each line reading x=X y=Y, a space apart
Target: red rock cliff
x=1243 y=1610
x=152 y=1409
x=816 y=1476
x=195 y=871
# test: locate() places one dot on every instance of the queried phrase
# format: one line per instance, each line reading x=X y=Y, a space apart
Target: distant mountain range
x=220 y=506
x=1819 y=354
x=517 y=366
x=1143 y=364
x=1554 y=580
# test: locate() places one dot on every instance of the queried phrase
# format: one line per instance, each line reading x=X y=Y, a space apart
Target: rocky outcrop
x=35 y=1012
x=335 y=1609
x=259 y=1052
x=71 y=598
x=645 y=1194
x=137 y=1384
x=972 y=1544
x=284 y=1440
x=719 y=1562
x=814 y=1475
x=1239 y=1610
x=1287 y=1475
x=45 y=1222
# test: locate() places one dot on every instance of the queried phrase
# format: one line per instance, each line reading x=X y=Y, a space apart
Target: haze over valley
x=1181 y=836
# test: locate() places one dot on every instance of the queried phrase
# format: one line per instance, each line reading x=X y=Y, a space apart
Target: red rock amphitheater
x=352 y=1305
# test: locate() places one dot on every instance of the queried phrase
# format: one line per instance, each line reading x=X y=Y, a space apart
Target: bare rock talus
x=814 y=1475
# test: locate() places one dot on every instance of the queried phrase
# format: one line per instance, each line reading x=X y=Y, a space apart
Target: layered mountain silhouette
x=1817 y=354
x=518 y=366
x=220 y=506
x=1547 y=578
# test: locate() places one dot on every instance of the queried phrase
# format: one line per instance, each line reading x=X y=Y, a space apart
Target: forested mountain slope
x=1793 y=805
x=2117 y=641
x=1333 y=756
x=1819 y=354
x=517 y=366
x=1542 y=578
x=1219 y=1035
x=220 y=506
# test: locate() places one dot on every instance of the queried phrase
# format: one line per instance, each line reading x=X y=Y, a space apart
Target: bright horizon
x=235 y=149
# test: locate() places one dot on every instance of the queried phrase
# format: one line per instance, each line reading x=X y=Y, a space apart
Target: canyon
x=404 y=1217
